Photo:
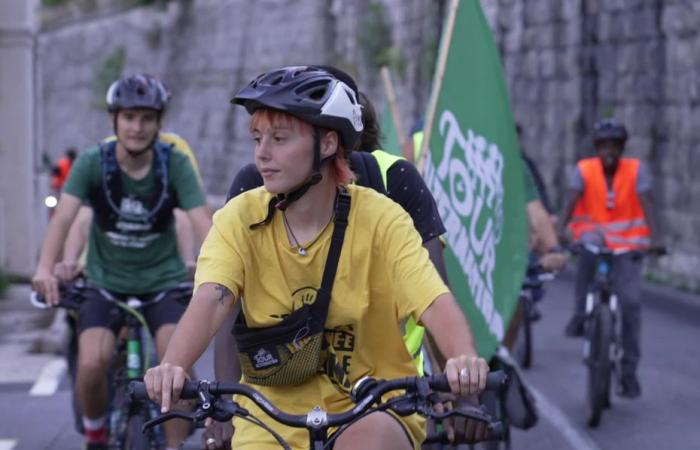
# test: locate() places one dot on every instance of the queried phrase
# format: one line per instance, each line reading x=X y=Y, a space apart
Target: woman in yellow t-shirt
x=268 y=248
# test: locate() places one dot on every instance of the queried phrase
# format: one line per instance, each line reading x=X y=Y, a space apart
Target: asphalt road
x=35 y=415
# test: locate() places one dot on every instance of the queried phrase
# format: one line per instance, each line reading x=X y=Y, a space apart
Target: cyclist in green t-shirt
x=132 y=184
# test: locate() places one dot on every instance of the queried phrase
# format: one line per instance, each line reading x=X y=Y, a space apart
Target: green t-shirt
x=132 y=262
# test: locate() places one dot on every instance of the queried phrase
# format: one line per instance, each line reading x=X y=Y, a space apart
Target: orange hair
x=340 y=169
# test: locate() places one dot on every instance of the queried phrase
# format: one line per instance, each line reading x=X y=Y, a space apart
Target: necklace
x=302 y=250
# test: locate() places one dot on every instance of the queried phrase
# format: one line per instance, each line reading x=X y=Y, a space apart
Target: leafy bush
x=4 y=283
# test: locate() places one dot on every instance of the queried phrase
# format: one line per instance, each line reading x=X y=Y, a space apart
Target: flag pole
x=445 y=43
x=393 y=105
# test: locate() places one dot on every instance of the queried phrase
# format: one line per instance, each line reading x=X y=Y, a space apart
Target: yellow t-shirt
x=384 y=276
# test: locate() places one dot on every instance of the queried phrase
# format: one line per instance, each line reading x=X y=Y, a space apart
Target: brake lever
x=465 y=411
x=225 y=410
x=167 y=416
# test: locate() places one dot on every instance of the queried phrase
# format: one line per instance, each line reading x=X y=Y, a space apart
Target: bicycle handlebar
x=366 y=392
x=71 y=295
x=578 y=247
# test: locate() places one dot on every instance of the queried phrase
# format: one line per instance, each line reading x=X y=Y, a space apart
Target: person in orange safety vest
x=59 y=172
x=610 y=204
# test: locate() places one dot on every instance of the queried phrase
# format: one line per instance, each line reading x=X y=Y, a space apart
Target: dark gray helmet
x=310 y=93
x=609 y=129
x=137 y=91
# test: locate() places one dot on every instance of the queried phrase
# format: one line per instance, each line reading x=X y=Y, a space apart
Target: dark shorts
x=94 y=312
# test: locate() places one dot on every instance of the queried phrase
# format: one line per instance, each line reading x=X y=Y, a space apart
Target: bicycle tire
x=523 y=344
x=134 y=438
x=600 y=335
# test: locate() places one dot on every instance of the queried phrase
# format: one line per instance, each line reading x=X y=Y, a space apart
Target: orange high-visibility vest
x=617 y=214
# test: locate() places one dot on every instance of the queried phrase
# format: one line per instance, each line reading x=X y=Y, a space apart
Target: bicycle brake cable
x=254 y=420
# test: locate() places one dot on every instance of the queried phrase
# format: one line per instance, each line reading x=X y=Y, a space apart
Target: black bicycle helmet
x=609 y=129
x=137 y=91
x=310 y=93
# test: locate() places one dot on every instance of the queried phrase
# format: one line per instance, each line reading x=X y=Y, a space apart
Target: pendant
x=302 y=251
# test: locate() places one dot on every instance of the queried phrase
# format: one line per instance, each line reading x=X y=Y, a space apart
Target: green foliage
x=609 y=111
x=376 y=42
x=53 y=3
x=429 y=59
x=108 y=71
x=4 y=283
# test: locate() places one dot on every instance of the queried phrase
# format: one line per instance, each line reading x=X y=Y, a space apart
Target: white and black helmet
x=310 y=93
x=137 y=91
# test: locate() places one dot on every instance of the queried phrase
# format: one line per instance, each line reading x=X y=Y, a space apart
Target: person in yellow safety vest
x=412 y=147
x=610 y=204
x=391 y=175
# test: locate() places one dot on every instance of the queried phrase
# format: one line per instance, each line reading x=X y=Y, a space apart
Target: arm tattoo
x=224 y=293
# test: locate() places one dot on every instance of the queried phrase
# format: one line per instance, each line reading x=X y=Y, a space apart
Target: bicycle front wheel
x=523 y=343
x=599 y=333
x=134 y=438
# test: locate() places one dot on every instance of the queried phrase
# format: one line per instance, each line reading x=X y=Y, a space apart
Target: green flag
x=390 y=140
x=474 y=171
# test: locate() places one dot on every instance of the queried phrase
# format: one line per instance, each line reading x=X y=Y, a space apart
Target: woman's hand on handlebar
x=459 y=429
x=466 y=374
x=220 y=432
x=164 y=384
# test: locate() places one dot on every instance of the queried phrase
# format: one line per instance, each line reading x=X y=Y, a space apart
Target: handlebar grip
x=495 y=381
x=190 y=389
x=137 y=391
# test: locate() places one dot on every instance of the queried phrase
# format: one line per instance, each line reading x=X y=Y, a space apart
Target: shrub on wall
x=4 y=283
x=376 y=41
x=106 y=72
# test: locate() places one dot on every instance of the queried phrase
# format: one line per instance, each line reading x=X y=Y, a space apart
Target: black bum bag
x=289 y=353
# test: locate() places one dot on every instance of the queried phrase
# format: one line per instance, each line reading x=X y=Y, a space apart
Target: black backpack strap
x=369 y=174
x=323 y=297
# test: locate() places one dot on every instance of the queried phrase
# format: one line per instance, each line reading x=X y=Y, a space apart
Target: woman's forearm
x=207 y=310
x=449 y=328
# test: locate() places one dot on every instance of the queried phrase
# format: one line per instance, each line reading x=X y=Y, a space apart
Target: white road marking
x=578 y=440
x=49 y=379
x=7 y=444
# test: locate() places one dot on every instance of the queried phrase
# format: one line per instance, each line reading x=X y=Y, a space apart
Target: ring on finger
x=210 y=442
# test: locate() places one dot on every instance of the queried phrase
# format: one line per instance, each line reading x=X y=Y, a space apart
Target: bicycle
x=133 y=354
x=419 y=397
x=530 y=293
x=602 y=345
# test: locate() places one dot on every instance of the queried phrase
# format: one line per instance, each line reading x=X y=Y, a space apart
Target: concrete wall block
x=680 y=53
x=538 y=12
x=567 y=34
x=617 y=5
x=570 y=9
x=547 y=63
x=680 y=18
x=568 y=62
x=641 y=24
x=611 y=27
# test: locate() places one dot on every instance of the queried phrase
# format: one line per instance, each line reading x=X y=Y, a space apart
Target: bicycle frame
x=605 y=298
x=130 y=360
